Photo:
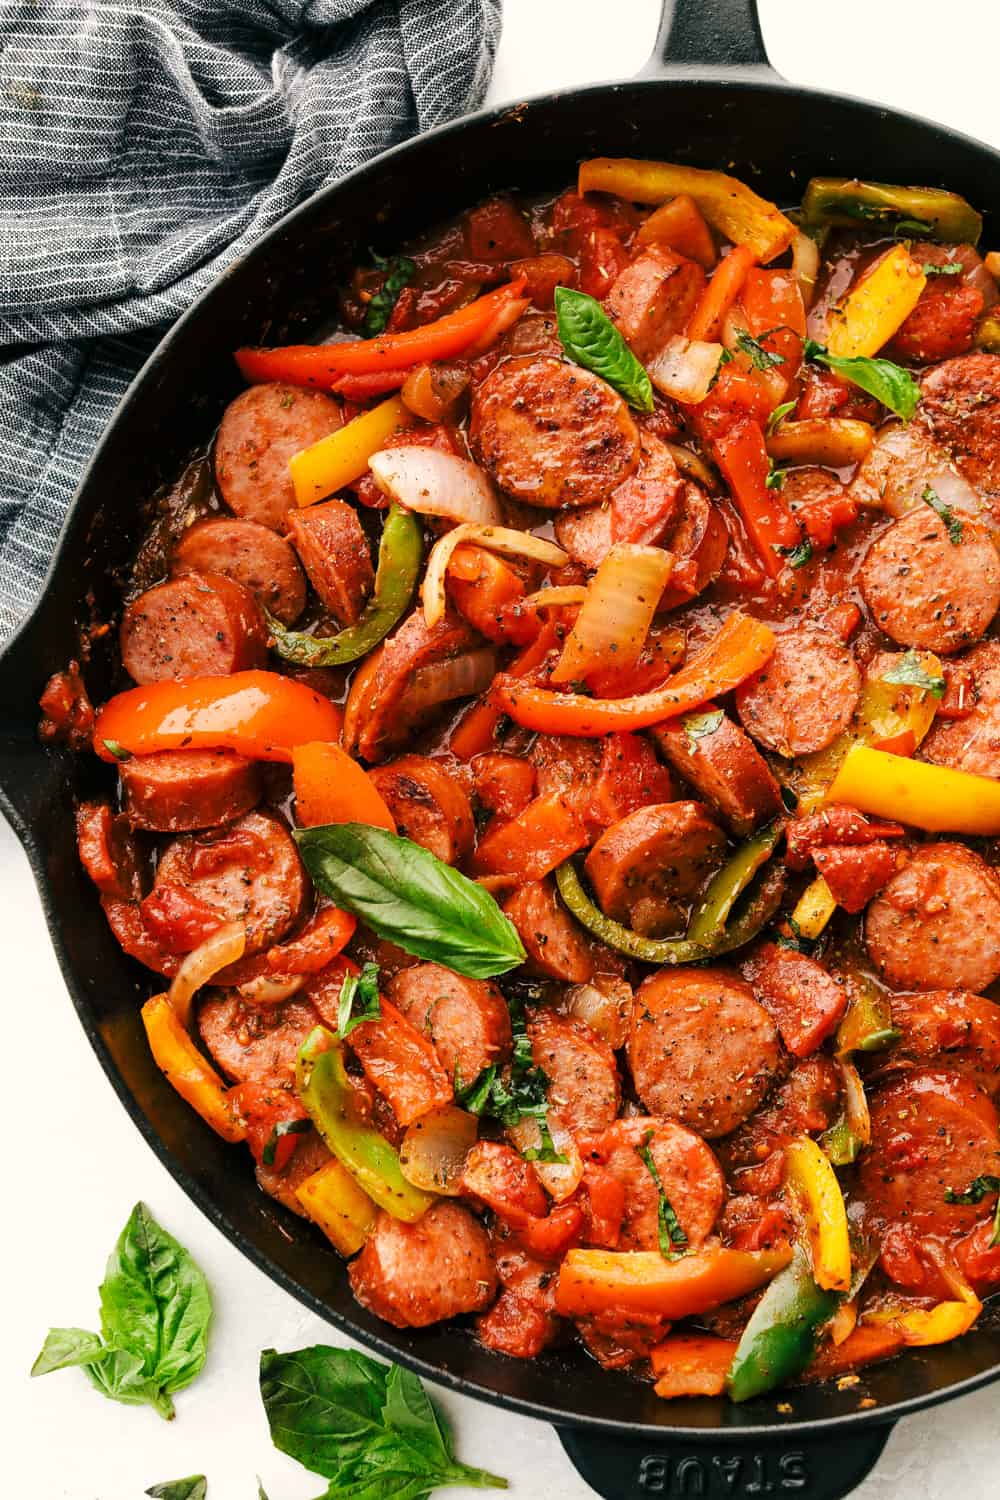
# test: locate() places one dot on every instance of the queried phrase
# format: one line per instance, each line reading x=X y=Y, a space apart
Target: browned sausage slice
x=250 y=873
x=335 y=553
x=805 y=695
x=720 y=762
x=931 y=583
x=108 y=852
x=936 y=925
x=692 y=1179
x=256 y=1046
x=948 y=1028
x=178 y=791
x=466 y=1019
x=551 y=433
x=932 y=1132
x=584 y=1088
x=701 y=1049
x=960 y=405
x=428 y=804
x=412 y=1275
x=197 y=625
x=556 y=945
x=260 y=431
x=646 y=868
x=973 y=743
x=250 y=554
x=654 y=298
x=585 y=534
x=699 y=541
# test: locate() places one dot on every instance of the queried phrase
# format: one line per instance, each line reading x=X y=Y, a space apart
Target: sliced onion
x=433 y=1151
x=685 y=368
x=570 y=593
x=693 y=467
x=436 y=484
x=605 y=1004
x=463 y=677
x=805 y=265
x=733 y=324
x=901 y=465
x=501 y=539
x=267 y=991
x=224 y=947
x=856 y=1113
x=615 y=617
x=559 y=1179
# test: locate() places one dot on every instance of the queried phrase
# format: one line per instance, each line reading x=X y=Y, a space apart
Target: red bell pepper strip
x=742 y=457
x=720 y=293
x=476 y=731
x=323 y=365
x=261 y=715
x=737 y=651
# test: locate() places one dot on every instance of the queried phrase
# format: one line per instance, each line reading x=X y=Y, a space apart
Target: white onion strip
x=463 y=676
x=805 y=265
x=433 y=483
x=501 y=539
x=559 y=1179
x=266 y=990
x=434 y=1148
x=224 y=947
x=569 y=593
x=855 y=1102
x=685 y=368
x=614 y=620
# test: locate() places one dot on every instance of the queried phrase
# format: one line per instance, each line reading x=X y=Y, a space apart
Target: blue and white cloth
x=144 y=145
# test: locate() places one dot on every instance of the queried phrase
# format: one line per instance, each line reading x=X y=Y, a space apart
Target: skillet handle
x=709 y=36
x=712 y=1468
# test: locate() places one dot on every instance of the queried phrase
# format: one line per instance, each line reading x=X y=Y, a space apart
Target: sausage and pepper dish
x=559 y=776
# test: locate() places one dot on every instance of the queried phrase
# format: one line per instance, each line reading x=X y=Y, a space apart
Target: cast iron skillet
x=708 y=96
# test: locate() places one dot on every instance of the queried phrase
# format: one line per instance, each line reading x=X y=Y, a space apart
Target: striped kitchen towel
x=145 y=144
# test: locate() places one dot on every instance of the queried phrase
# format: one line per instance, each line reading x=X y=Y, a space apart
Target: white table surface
x=74 y=1165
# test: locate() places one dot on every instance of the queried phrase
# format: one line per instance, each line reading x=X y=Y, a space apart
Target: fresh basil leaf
x=670 y=1232
x=65 y=1348
x=908 y=672
x=411 y=898
x=953 y=524
x=475 y=1096
x=408 y=1410
x=361 y=988
x=261 y=1493
x=978 y=1189
x=760 y=358
x=281 y=1129
x=779 y=414
x=591 y=339
x=118 y=751
x=887 y=382
x=793 y=938
x=399 y=272
x=697 y=726
x=195 y=1487
x=950 y=268
x=120 y=1375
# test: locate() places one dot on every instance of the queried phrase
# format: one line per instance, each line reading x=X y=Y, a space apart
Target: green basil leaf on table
x=195 y=1487
x=66 y=1347
x=409 y=897
x=590 y=339
x=887 y=382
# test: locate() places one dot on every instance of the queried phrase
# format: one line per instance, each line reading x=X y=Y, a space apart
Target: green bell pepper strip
x=729 y=883
x=781 y=1336
x=325 y=1092
x=923 y=213
x=400 y=555
x=867 y=1022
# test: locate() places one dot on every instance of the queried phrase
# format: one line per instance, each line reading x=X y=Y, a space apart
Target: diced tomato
x=603 y=258
x=549 y=1238
x=482 y=586
x=177 y=918
x=979 y=1260
x=776 y=315
x=833 y=825
x=603 y=1203
x=826 y=395
x=543 y=273
x=496 y=1175
x=498 y=231
x=843 y=619
x=824 y=517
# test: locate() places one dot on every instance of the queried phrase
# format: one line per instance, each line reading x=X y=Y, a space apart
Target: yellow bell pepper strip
x=937 y=1325
x=935 y=798
x=400 y=555
x=816 y=1192
x=813 y=909
x=642 y=1281
x=342 y=1209
x=325 y=1092
x=738 y=650
x=988 y=334
x=926 y=213
x=870 y=314
x=186 y=1070
x=831 y=441
x=781 y=1336
x=342 y=457
x=739 y=213
x=867 y=1023
x=323 y=365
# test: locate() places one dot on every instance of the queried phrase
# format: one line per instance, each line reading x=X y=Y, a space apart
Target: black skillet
x=708 y=96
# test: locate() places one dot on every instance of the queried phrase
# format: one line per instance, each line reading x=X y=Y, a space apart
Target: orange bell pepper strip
x=742 y=457
x=476 y=731
x=680 y=225
x=738 y=650
x=186 y=1070
x=720 y=294
x=530 y=846
x=642 y=1281
x=330 y=787
x=402 y=1064
x=865 y=1345
x=772 y=301
x=323 y=365
x=692 y=1364
x=261 y=715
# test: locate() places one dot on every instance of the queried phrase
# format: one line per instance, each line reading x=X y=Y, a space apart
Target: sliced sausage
x=932 y=1132
x=646 y=868
x=952 y=1029
x=805 y=1000
x=584 y=1087
x=495 y=1174
x=691 y=1177
x=260 y=431
x=107 y=851
x=249 y=873
x=552 y=434
x=197 y=625
x=699 y=541
x=335 y=554
x=467 y=1020
x=936 y=925
x=256 y=1045
x=722 y=764
x=412 y=1275
x=701 y=1049
x=250 y=554
x=972 y=743
x=932 y=583
x=555 y=944
x=654 y=298
x=133 y=936
x=960 y=406
x=805 y=695
x=586 y=534
x=643 y=508
x=806 y=1103
x=429 y=805
x=178 y=791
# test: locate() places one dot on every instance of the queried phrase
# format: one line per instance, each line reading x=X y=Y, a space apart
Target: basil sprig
x=521 y=1093
x=909 y=672
x=952 y=523
x=887 y=382
x=399 y=272
x=591 y=339
x=155 y=1314
x=195 y=1487
x=409 y=897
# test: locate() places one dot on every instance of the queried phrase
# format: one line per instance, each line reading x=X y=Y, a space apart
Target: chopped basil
x=887 y=382
x=522 y=1093
x=670 y=1233
x=798 y=556
x=697 y=726
x=978 y=1189
x=775 y=476
x=591 y=339
x=950 y=268
x=760 y=358
x=475 y=1096
x=779 y=414
x=118 y=751
x=793 y=938
x=952 y=523
x=282 y=1128
x=360 y=989
x=399 y=272
x=195 y=1487
x=908 y=672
